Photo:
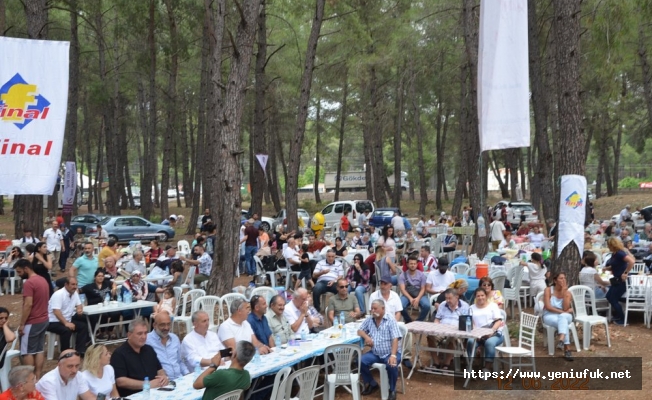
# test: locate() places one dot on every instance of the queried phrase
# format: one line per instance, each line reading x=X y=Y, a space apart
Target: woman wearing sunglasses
x=358 y=277
x=98 y=372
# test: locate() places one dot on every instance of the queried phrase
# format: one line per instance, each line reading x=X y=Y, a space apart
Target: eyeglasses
x=68 y=355
x=486 y=284
x=342 y=287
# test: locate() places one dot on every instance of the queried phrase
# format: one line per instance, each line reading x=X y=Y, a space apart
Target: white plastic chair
x=189 y=282
x=638 y=268
x=280 y=383
x=226 y=301
x=512 y=295
x=183 y=247
x=232 y=395
x=498 y=278
x=382 y=369
x=460 y=268
x=186 y=314
x=54 y=340
x=588 y=279
x=208 y=304
x=580 y=293
x=638 y=297
x=550 y=330
x=265 y=291
x=10 y=353
x=471 y=272
x=339 y=371
x=307 y=381
x=525 y=348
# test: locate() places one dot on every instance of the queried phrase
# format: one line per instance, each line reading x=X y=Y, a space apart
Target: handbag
x=616 y=280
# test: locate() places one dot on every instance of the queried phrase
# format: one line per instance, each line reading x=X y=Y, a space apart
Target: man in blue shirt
x=167 y=346
x=258 y=321
x=85 y=266
x=381 y=333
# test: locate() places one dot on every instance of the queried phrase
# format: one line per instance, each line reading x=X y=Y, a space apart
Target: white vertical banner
x=262 y=159
x=572 y=212
x=33 y=105
x=503 y=75
x=69 y=186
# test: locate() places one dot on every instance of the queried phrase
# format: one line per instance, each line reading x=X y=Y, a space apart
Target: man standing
x=167 y=346
x=53 y=238
x=412 y=284
x=134 y=361
x=343 y=302
x=296 y=312
x=205 y=219
x=496 y=229
x=397 y=222
x=237 y=328
x=219 y=382
x=64 y=382
x=552 y=229
x=277 y=322
x=250 y=240
x=258 y=321
x=389 y=297
x=85 y=266
x=204 y=261
x=363 y=219
x=439 y=279
x=382 y=335
x=200 y=341
x=65 y=316
x=34 y=316
x=326 y=274
x=28 y=238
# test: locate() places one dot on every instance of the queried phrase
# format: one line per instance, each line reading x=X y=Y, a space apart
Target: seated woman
x=340 y=248
x=154 y=252
x=486 y=315
x=493 y=296
x=557 y=311
x=137 y=263
x=98 y=372
x=507 y=242
x=448 y=314
x=598 y=285
x=139 y=291
x=95 y=293
x=358 y=277
x=523 y=229
x=7 y=266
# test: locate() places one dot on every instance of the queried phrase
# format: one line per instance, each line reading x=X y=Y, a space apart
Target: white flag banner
x=572 y=212
x=503 y=76
x=33 y=104
x=262 y=159
x=69 y=185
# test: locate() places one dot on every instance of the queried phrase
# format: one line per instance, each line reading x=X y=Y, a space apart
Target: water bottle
x=482 y=231
x=107 y=299
x=342 y=318
x=256 y=357
x=336 y=321
x=636 y=238
x=197 y=370
x=119 y=297
x=82 y=299
x=468 y=323
x=277 y=340
x=146 y=388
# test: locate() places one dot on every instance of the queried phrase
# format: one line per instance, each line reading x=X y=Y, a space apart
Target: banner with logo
x=33 y=105
x=572 y=212
x=69 y=186
x=503 y=75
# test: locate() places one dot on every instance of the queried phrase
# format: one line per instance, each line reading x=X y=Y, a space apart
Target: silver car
x=281 y=218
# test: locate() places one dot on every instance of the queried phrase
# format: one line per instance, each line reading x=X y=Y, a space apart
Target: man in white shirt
x=363 y=219
x=393 y=305
x=64 y=382
x=625 y=214
x=291 y=255
x=203 y=261
x=65 y=316
x=422 y=229
x=53 y=238
x=439 y=279
x=237 y=327
x=496 y=229
x=429 y=262
x=397 y=222
x=326 y=274
x=200 y=342
x=296 y=312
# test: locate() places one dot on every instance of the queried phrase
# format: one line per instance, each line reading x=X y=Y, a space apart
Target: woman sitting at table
x=620 y=263
x=588 y=270
x=523 y=229
x=154 y=252
x=6 y=269
x=493 y=296
x=448 y=314
x=385 y=265
x=538 y=274
x=486 y=315
x=99 y=373
x=340 y=248
x=95 y=294
x=507 y=242
x=139 y=291
x=557 y=311
x=535 y=237
x=358 y=277
x=135 y=264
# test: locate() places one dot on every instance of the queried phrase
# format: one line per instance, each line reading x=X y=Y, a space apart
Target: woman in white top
x=538 y=274
x=388 y=242
x=599 y=288
x=486 y=315
x=536 y=238
x=98 y=372
x=507 y=242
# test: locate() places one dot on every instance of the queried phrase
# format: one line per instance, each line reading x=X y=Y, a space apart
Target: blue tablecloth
x=473 y=284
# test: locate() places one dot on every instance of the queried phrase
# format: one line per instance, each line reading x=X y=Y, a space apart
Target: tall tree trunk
x=317 y=148
x=377 y=130
x=73 y=94
x=340 y=145
x=86 y=127
x=273 y=186
x=149 y=176
x=258 y=143
x=645 y=67
x=187 y=154
x=291 y=185
x=226 y=176
x=512 y=162
x=504 y=190
x=398 y=127
x=571 y=137
x=443 y=147
x=462 y=164
x=616 y=149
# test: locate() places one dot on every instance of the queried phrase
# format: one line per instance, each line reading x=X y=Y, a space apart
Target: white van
x=334 y=211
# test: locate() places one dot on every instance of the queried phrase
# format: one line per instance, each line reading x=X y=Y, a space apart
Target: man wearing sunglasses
x=343 y=302
x=64 y=382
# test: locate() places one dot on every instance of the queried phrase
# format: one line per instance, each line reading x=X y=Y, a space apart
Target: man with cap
x=250 y=239
x=204 y=263
x=393 y=305
x=357 y=238
x=166 y=260
x=439 y=279
x=65 y=382
x=449 y=243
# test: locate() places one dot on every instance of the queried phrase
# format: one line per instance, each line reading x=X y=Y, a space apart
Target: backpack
x=269 y=263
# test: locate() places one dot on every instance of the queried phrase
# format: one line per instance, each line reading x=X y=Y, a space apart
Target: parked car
x=383 y=216
x=266 y=222
x=88 y=223
x=281 y=218
x=334 y=211
x=514 y=211
x=125 y=228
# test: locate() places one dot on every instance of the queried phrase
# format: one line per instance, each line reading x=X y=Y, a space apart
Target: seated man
x=448 y=314
x=296 y=312
x=258 y=321
x=449 y=243
x=237 y=328
x=326 y=274
x=65 y=316
x=277 y=322
x=439 y=279
x=167 y=346
x=342 y=302
x=412 y=284
x=382 y=335
x=219 y=382
x=203 y=261
x=65 y=382
x=199 y=342
x=135 y=360
x=427 y=260
x=392 y=302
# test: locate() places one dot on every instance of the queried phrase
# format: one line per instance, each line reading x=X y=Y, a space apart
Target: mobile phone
x=166 y=389
x=101 y=396
x=226 y=352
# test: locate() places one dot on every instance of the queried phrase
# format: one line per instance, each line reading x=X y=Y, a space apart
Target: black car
x=88 y=223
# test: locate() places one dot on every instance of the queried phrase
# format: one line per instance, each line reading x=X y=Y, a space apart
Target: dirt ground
x=630 y=341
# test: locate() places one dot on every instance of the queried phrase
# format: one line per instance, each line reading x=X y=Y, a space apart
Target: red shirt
x=252 y=236
x=316 y=245
x=370 y=263
x=35 y=395
x=37 y=288
x=344 y=223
